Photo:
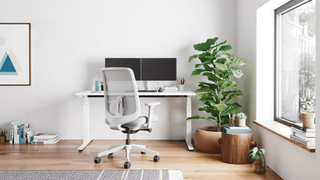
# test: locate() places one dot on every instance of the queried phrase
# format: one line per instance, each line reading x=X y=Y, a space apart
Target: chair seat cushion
x=136 y=124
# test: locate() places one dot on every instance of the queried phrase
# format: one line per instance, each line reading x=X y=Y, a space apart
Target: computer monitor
x=147 y=69
x=159 y=69
x=133 y=63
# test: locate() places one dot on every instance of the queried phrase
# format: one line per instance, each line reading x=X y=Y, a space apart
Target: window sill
x=282 y=131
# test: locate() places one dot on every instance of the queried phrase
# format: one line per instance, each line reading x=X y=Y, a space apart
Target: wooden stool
x=235 y=147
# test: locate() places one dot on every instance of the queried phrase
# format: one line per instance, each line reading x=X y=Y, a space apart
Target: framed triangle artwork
x=15 y=54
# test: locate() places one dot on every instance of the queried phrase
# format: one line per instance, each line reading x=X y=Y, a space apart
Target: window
x=295 y=61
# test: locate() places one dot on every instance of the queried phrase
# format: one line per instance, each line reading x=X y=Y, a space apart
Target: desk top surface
x=175 y=93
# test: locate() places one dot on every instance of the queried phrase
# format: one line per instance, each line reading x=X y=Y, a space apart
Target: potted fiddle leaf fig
x=218 y=92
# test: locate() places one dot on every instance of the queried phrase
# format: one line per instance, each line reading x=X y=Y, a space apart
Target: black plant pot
x=101 y=87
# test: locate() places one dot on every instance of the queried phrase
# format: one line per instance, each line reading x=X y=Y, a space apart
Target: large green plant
x=217 y=93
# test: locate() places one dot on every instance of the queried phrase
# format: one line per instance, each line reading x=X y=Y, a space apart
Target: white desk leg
x=86 y=135
x=189 y=125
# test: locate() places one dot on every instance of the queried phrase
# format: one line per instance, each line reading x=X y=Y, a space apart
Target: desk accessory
x=181 y=82
x=96 y=83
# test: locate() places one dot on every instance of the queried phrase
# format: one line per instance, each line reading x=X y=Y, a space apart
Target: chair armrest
x=153 y=104
x=150 y=113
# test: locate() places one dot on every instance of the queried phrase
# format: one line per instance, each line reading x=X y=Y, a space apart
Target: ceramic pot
x=2 y=139
x=241 y=122
x=206 y=139
x=308 y=120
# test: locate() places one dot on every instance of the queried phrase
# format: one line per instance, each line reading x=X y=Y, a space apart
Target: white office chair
x=122 y=111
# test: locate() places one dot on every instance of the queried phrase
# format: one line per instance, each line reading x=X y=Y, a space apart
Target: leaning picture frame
x=15 y=54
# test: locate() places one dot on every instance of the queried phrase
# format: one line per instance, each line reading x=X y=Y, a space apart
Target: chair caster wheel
x=79 y=150
x=110 y=154
x=97 y=160
x=156 y=158
x=127 y=165
x=143 y=152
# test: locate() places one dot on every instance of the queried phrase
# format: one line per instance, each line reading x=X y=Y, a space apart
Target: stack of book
x=170 y=89
x=46 y=138
x=19 y=132
x=302 y=135
x=236 y=129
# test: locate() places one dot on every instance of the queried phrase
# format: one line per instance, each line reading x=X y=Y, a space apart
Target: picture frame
x=15 y=54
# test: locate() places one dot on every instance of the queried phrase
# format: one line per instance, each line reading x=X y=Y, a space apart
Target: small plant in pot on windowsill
x=241 y=119
x=3 y=135
x=307 y=114
x=218 y=92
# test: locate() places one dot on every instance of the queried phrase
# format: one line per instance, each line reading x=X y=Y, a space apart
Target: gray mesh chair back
x=122 y=103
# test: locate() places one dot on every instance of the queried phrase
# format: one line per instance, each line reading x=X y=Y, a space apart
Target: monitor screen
x=159 y=69
x=133 y=63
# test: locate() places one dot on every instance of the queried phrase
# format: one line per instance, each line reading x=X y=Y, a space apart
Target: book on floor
x=45 y=136
x=45 y=142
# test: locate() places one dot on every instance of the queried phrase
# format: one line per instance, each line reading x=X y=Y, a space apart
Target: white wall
x=286 y=159
x=70 y=40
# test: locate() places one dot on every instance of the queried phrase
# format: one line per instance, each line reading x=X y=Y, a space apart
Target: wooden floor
x=173 y=156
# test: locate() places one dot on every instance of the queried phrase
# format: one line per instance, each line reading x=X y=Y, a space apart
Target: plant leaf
x=226 y=93
x=218 y=96
x=205 y=95
x=193 y=57
x=212 y=41
x=231 y=108
x=208 y=101
x=220 y=107
x=252 y=154
x=203 y=117
x=234 y=96
x=197 y=71
x=236 y=61
x=225 y=48
x=212 y=86
x=224 y=119
x=221 y=60
x=201 y=47
x=220 y=66
x=204 y=89
x=210 y=109
x=217 y=45
x=237 y=72
x=212 y=76
x=207 y=68
x=197 y=65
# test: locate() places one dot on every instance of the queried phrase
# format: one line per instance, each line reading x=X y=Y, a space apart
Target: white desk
x=85 y=95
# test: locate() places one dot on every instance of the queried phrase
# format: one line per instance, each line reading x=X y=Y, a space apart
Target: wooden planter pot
x=206 y=139
x=3 y=139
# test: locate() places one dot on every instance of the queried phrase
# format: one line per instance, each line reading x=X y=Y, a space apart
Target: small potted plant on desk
x=3 y=135
x=218 y=92
x=307 y=114
x=256 y=156
x=241 y=119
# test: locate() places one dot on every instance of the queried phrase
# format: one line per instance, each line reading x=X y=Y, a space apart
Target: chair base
x=127 y=147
